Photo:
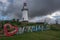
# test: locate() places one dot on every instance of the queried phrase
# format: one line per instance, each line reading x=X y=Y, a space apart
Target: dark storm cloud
x=42 y=7
x=36 y=7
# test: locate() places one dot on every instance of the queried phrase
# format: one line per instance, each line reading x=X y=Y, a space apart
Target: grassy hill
x=45 y=35
x=52 y=34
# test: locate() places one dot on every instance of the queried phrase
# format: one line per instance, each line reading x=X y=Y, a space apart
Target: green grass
x=45 y=35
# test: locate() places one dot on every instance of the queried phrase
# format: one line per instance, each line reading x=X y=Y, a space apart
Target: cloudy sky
x=10 y=9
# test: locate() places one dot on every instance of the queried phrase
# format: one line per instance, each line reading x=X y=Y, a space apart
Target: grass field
x=53 y=34
x=45 y=35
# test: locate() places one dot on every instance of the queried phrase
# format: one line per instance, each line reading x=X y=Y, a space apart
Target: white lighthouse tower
x=25 y=12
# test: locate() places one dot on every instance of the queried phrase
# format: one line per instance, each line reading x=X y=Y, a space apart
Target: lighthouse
x=25 y=12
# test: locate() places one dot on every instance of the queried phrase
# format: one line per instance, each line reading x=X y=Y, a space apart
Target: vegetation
x=52 y=34
x=55 y=27
x=45 y=35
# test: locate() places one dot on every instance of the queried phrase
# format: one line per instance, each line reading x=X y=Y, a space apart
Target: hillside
x=45 y=35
